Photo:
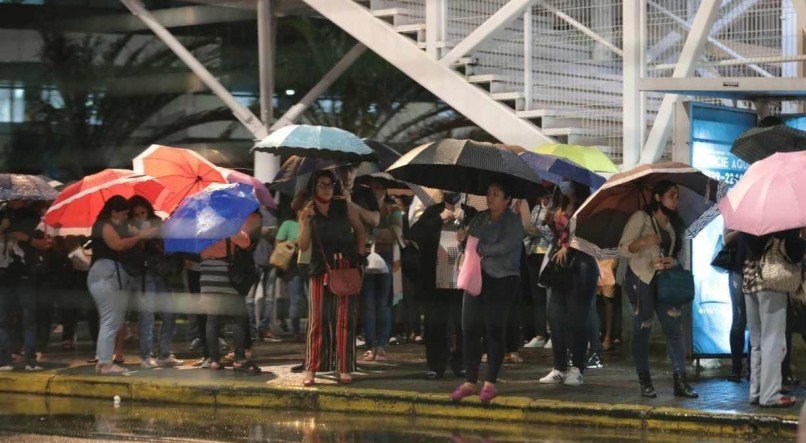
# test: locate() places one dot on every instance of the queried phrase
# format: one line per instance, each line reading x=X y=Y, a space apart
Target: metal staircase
x=564 y=87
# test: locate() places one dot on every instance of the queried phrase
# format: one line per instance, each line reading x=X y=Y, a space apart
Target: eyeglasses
x=330 y=185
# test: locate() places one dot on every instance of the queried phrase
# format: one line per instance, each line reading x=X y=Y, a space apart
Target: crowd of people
x=537 y=289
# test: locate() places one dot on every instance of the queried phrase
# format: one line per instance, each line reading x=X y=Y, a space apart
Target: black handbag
x=675 y=285
x=725 y=258
x=241 y=269
x=554 y=275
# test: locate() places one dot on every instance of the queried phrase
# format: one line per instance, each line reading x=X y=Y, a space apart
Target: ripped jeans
x=671 y=321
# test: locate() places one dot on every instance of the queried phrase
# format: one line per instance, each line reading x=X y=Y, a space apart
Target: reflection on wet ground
x=26 y=418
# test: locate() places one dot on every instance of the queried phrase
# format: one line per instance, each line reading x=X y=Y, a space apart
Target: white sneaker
x=554 y=377
x=574 y=377
x=34 y=368
x=6 y=368
x=170 y=362
x=548 y=344
x=149 y=363
x=536 y=342
x=360 y=342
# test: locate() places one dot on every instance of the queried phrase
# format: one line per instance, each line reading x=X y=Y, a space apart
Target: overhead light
x=290 y=92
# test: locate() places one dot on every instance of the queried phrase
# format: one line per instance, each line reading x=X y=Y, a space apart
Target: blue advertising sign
x=713 y=130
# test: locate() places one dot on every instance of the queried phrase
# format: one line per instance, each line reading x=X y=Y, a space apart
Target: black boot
x=647 y=390
x=681 y=388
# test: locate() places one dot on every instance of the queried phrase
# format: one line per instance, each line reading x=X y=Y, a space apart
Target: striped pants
x=331 y=330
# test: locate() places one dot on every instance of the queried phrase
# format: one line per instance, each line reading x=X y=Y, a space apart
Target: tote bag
x=470 y=273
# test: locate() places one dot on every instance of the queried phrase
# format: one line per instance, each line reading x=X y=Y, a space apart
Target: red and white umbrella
x=76 y=214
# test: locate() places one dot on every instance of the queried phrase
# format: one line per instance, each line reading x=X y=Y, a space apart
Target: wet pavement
x=25 y=418
x=404 y=370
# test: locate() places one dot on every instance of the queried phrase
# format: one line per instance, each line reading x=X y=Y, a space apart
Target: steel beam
x=700 y=28
x=266 y=165
x=582 y=28
x=293 y=114
x=169 y=18
x=528 y=42
x=506 y=14
x=735 y=88
x=241 y=112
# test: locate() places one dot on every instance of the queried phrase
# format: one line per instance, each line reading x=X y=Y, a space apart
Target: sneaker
x=574 y=377
x=393 y=341
x=206 y=364
x=222 y=345
x=554 y=377
x=33 y=368
x=536 y=342
x=594 y=362
x=433 y=375
x=41 y=357
x=6 y=368
x=548 y=344
x=169 y=362
x=360 y=342
x=419 y=340
x=149 y=363
x=194 y=344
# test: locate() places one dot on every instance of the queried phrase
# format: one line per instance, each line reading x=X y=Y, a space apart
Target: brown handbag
x=342 y=281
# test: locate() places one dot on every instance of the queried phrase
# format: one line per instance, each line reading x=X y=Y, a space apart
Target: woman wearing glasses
x=333 y=229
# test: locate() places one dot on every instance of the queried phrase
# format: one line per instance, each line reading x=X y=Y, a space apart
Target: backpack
x=241 y=269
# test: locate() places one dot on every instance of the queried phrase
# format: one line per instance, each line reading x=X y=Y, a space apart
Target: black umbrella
x=25 y=187
x=759 y=143
x=466 y=166
x=295 y=173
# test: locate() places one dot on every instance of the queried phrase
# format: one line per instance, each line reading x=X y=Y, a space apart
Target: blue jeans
x=110 y=286
x=17 y=292
x=152 y=300
x=260 y=319
x=671 y=321
x=377 y=295
x=296 y=292
x=738 y=325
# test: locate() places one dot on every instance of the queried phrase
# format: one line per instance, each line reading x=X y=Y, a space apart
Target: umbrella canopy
x=316 y=141
x=76 y=214
x=261 y=192
x=770 y=196
x=92 y=181
x=466 y=166
x=598 y=223
x=384 y=154
x=555 y=169
x=205 y=218
x=295 y=173
x=181 y=171
x=25 y=187
x=759 y=143
x=588 y=157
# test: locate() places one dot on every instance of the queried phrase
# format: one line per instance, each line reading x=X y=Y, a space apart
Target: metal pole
x=582 y=28
x=528 y=29
x=633 y=115
x=244 y=115
x=266 y=165
x=293 y=114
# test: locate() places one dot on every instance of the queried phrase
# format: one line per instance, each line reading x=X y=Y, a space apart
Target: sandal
x=112 y=370
x=344 y=379
x=247 y=366
x=514 y=358
x=216 y=366
x=369 y=356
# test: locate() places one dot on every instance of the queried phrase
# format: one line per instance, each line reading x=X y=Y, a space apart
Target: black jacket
x=425 y=232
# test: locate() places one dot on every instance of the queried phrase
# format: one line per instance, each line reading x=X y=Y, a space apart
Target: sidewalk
x=609 y=397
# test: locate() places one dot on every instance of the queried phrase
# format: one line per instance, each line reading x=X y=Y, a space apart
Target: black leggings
x=568 y=311
x=485 y=317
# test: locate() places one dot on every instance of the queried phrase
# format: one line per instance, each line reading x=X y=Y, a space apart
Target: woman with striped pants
x=333 y=229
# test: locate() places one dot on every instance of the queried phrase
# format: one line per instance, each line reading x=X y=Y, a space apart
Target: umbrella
x=205 y=218
x=76 y=214
x=598 y=223
x=586 y=156
x=92 y=181
x=181 y=171
x=555 y=169
x=770 y=196
x=758 y=143
x=295 y=173
x=261 y=192
x=466 y=166
x=316 y=141
x=385 y=154
x=25 y=187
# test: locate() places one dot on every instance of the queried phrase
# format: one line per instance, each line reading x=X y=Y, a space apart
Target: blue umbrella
x=555 y=169
x=316 y=141
x=205 y=218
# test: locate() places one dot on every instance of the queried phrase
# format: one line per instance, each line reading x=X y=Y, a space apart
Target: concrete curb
x=334 y=398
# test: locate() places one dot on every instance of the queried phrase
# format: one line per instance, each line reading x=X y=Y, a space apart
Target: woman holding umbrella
x=330 y=228
x=652 y=239
x=107 y=281
x=484 y=316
